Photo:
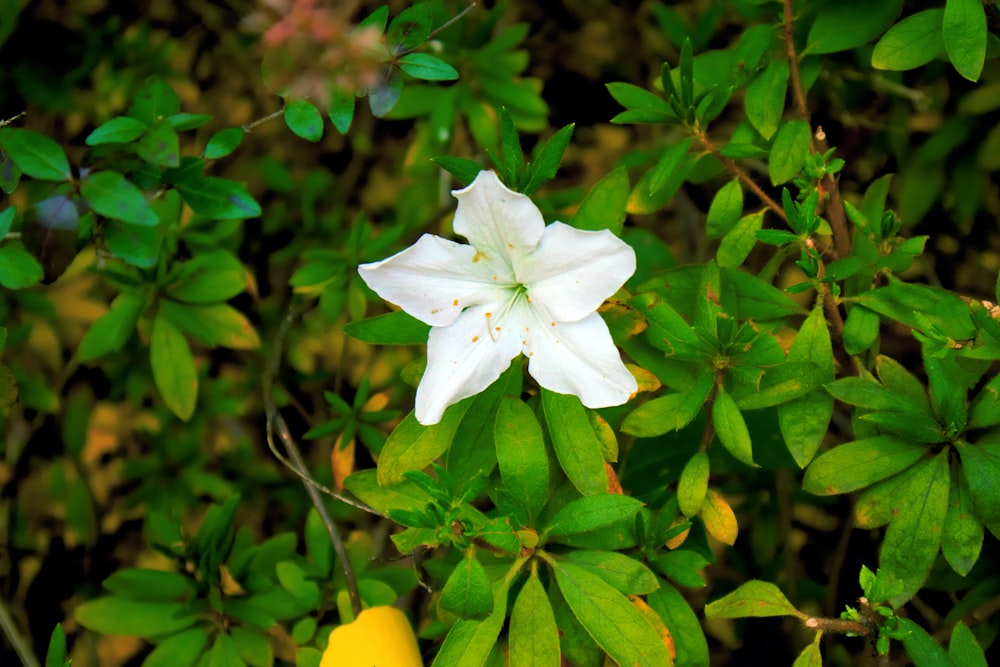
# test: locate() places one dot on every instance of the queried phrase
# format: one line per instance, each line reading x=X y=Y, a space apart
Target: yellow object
x=378 y=637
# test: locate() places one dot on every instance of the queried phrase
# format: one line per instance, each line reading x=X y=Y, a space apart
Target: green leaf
x=396 y=328
x=154 y=101
x=604 y=205
x=18 y=269
x=160 y=145
x=610 y=619
x=947 y=392
x=775 y=236
x=963 y=29
x=914 y=535
x=6 y=219
x=725 y=209
x=757 y=299
x=575 y=443
x=341 y=110
x=811 y=656
x=117 y=616
x=981 y=465
x=860 y=329
x=467 y=592
x=35 y=154
x=846 y=24
x=404 y=495
x=856 y=465
x=224 y=653
x=921 y=648
x=304 y=119
x=118 y=130
x=626 y=574
x=765 y=98
x=805 y=421
x=871 y=395
x=962 y=540
x=671 y=412
x=731 y=428
x=254 y=647
x=643 y=106
x=685 y=626
x=427 y=67
x=755 y=599
x=693 y=484
x=963 y=648
x=218 y=198
x=173 y=367
x=223 y=143
x=410 y=27
x=412 y=446
x=672 y=168
x=780 y=384
x=149 y=585
x=463 y=169
x=985 y=408
x=216 y=324
x=110 y=332
x=789 y=151
x=136 y=245
x=111 y=195
x=469 y=643
x=736 y=245
x=533 y=636
x=914 y=41
x=56 y=655
x=188 y=121
x=590 y=513
x=521 y=456
x=546 y=162
x=213 y=276
x=183 y=648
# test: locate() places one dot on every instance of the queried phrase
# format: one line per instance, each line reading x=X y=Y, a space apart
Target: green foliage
x=804 y=326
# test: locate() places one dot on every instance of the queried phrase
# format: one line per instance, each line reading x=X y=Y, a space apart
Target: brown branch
x=737 y=171
x=793 y=63
x=295 y=462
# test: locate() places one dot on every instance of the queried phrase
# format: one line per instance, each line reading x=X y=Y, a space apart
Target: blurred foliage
x=178 y=179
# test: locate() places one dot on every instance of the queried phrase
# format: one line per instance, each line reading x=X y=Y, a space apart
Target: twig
x=737 y=171
x=4 y=123
x=249 y=127
x=297 y=465
x=21 y=646
x=438 y=29
x=793 y=63
x=817 y=143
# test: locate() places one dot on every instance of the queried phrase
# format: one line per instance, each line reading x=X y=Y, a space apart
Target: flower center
x=495 y=321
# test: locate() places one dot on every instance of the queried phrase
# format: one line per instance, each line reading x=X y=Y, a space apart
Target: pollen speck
x=494 y=276
x=497 y=328
x=531 y=354
x=478 y=257
x=489 y=314
x=552 y=323
x=475 y=338
x=454 y=302
x=435 y=311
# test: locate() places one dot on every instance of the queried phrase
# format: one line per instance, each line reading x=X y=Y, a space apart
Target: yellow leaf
x=719 y=518
x=647 y=381
x=378 y=636
x=654 y=619
x=342 y=462
x=678 y=539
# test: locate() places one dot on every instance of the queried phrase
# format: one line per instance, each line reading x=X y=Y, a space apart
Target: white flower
x=520 y=287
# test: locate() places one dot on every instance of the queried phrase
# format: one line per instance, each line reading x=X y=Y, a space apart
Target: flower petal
x=497 y=221
x=462 y=360
x=572 y=272
x=434 y=279
x=578 y=358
